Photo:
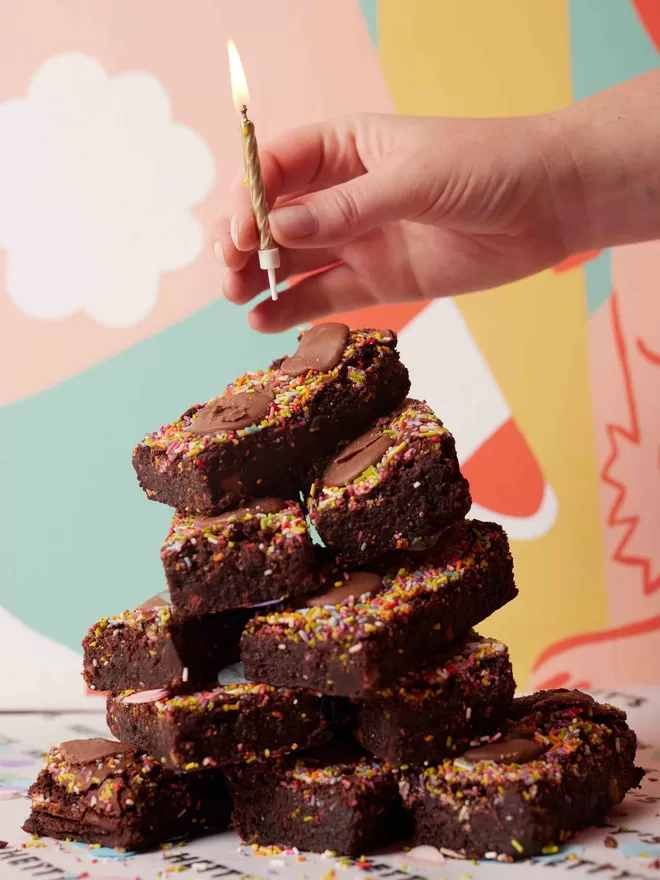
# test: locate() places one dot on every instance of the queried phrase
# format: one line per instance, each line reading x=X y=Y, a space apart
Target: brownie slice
x=366 y=634
x=457 y=699
x=105 y=792
x=261 y=436
x=151 y=648
x=331 y=798
x=392 y=487
x=233 y=722
x=248 y=556
x=564 y=763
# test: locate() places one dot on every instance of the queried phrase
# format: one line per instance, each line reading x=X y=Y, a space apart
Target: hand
x=399 y=209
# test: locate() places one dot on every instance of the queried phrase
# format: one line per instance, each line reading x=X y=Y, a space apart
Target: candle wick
x=244 y=112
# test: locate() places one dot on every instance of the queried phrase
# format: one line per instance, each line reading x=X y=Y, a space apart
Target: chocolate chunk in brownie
x=392 y=487
x=354 y=645
x=330 y=798
x=233 y=722
x=150 y=647
x=105 y=792
x=260 y=438
x=564 y=763
x=455 y=699
x=256 y=554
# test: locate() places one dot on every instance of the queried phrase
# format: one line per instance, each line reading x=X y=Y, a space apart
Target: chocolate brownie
x=248 y=556
x=564 y=762
x=151 y=648
x=106 y=792
x=330 y=798
x=393 y=486
x=458 y=698
x=229 y=723
x=366 y=633
x=261 y=436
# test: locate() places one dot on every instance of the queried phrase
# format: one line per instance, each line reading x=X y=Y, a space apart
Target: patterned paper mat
x=627 y=848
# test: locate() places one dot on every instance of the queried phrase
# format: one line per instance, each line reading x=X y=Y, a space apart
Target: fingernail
x=296 y=221
x=233 y=230
x=217 y=252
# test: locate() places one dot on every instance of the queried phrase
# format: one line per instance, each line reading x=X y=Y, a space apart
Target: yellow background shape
x=511 y=57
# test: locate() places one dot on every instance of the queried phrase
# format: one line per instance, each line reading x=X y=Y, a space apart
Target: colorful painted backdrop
x=117 y=144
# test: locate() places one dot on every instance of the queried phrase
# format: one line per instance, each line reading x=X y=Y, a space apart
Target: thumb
x=344 y=212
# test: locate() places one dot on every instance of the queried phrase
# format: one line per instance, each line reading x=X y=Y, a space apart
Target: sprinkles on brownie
x=357 y=641
x=261 y=436
x=106 y=792
x=564 y=762
x=258 y=553
x=151 y=648
x=223 y=725
x=392 y=487
x=333 y=798
x=454 y=700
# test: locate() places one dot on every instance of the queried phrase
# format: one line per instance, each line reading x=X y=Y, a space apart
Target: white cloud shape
x=96 y=189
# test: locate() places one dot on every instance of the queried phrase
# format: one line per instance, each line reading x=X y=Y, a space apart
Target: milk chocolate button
x=356 y=458
x=261 y=505
x=232 y=412
x=321 y=348
x=358 y=583
x=85 y=751
x=506 y=751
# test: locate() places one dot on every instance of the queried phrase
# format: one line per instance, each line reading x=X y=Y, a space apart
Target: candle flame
x=239 y=89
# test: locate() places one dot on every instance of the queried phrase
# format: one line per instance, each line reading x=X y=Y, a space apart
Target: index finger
x=296 y=162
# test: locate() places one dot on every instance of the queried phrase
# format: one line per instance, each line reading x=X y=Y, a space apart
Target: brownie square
x=233 y=722
x=150 y=648
x=260 y=437
x=456 y=699
x=564 y=763
x=248 y=556
x=105 y=792
x=331 y=798
x=354 y=645
x=392 y=487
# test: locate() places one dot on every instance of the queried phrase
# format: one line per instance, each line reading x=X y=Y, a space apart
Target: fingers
x=294 y=163
x=336 y=290
x=346 y=211
x=240 y=287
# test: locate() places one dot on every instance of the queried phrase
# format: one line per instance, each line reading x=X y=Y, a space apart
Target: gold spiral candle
x=255 y=181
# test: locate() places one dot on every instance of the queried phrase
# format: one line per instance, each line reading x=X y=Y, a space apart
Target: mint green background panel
x=80 y=539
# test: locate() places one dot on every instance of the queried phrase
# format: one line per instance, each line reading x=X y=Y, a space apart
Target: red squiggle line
x=646 y=352
x=639 y=628
x=632 y=435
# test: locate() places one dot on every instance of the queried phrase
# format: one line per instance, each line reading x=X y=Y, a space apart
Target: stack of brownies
x=369 y=710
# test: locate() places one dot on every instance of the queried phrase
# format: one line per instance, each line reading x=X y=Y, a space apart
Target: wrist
x=567 y=188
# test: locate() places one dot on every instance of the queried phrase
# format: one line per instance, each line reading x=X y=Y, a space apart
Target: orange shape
x=576 y=260
x=649 y=13
x=504 y=474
